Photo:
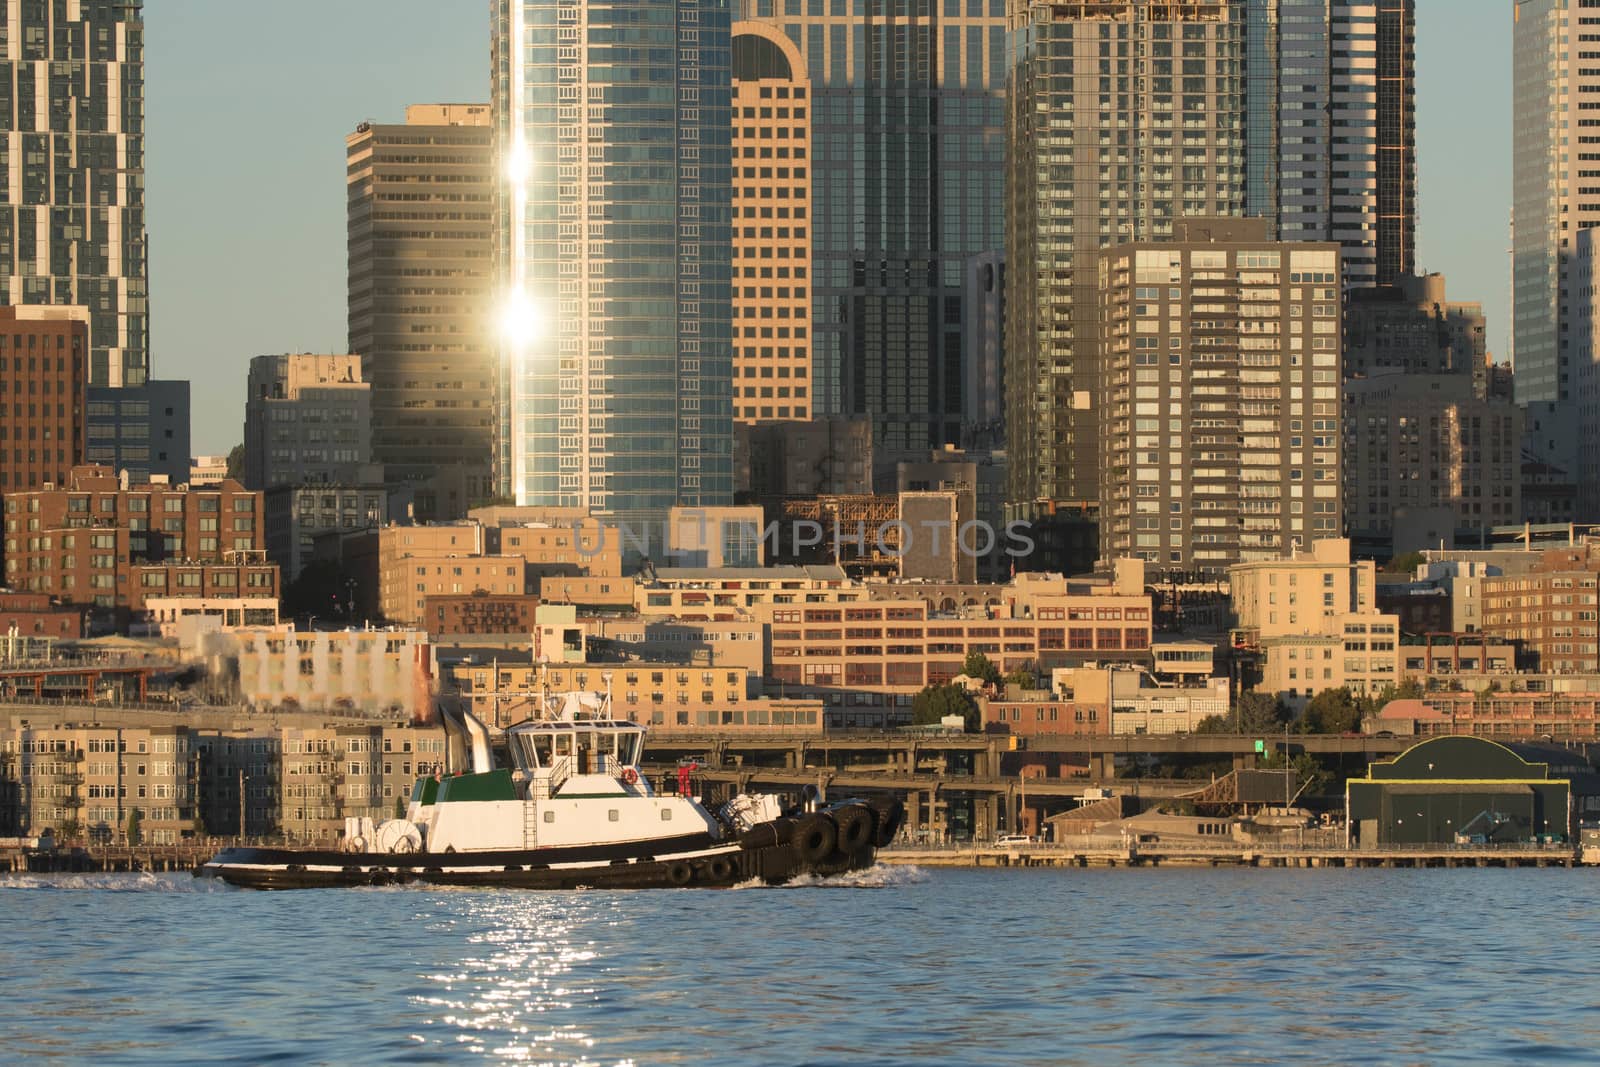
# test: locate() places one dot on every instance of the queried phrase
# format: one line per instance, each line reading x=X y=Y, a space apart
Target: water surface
x=896 y=966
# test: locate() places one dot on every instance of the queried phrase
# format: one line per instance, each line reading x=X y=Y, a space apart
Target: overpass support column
x=1244 y=761
x=985 y=816
x=914 y=814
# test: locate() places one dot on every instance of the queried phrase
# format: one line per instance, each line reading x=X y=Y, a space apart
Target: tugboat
x=571 y=811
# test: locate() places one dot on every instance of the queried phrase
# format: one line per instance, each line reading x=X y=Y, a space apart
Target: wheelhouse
x=591 y=746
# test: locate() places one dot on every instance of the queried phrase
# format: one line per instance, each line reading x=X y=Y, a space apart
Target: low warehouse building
x=1457 y=790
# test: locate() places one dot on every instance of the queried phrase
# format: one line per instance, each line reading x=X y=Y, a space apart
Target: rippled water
x=894 y=967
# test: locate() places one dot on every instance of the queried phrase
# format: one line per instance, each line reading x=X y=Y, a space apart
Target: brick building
x=249 y=577
x=34 y=615
x=43 y=386
x=510 y=613
x=867 y=661
x=92 y=540
x=1550 y=611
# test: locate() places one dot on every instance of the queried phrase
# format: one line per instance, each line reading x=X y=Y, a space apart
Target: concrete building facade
x=1219 y=408
x=772 y=222
x=1295 y=594
x=296 y=515
x=307 y=420
x=826 y=455
x=1416 y=441
x=420 y=294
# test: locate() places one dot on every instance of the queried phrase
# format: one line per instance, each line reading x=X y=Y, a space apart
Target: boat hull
x=772 y=853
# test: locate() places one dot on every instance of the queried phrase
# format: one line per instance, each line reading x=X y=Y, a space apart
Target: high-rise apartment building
x=420 y=231
x=612 y=133
x=907 y=181
x=1331 y=125
x=771 y=227
x=44 y=357
x=1556 y=89
x=306 y=421
x=72 y=205
x=1219 y=396
x=1125 y=116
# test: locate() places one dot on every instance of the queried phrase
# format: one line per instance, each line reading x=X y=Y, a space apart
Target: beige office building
x=420 y=222
x=453 y=559
x=1299 y=593
x=771 y=227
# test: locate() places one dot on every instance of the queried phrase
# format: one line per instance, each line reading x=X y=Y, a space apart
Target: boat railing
x=545 y=787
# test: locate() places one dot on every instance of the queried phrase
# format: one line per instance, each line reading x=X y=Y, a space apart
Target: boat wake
x=879 y=876
x=138 y=882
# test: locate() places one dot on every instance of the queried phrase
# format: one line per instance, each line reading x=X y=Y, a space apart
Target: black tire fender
x=679 y=873
x=857 y=827
x=720 y=868
x=816 y=838
x=889 y=824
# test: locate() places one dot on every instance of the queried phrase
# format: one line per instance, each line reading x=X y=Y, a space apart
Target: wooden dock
x=157 y=859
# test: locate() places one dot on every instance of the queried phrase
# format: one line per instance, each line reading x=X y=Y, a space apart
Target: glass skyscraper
x=612 y=132
x=1331 y=120
x=1553 y=192
x=72 y=208
x=1124 y=116
x=907 y=184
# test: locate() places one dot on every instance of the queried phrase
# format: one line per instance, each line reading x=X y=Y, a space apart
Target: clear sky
x=248 y=107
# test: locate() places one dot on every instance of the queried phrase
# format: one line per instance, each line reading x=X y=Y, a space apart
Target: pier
x=1113 y=852
x=116 y=859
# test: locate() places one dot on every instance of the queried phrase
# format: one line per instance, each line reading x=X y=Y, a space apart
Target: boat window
x=542 y=744
x=628 y=747
x=563 y=744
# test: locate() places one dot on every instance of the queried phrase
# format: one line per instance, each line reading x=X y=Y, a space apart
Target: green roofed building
x=1450 y=790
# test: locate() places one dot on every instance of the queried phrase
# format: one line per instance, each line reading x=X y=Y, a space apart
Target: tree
x=135 y=833
x=1405 y=563
x=1260 y=713
x=236 y=463
x=1024 y=677
x=399 y=807
x=936 y=701
x=981 y=667
x=1214 y=724
x=1332 y=711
